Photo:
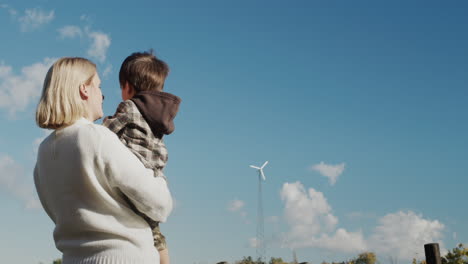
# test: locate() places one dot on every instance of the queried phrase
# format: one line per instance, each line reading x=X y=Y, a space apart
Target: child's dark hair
x=144 y=72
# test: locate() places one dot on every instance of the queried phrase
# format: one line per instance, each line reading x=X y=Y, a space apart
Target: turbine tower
x=260 y=243
x=295 y=257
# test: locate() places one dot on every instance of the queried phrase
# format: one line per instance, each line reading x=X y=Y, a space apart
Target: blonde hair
x=61 y=104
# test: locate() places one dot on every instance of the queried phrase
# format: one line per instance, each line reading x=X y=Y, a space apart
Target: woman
x=83 y=173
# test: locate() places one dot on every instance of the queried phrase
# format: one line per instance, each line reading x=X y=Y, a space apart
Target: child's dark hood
x=159 y=110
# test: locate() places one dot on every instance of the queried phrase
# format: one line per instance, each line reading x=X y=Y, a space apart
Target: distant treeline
x=458 y=255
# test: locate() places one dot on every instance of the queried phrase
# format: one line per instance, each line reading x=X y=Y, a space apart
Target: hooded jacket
x=141 y=123
x=158 y=109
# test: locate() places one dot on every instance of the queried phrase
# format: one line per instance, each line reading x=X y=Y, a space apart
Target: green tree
x=276 y=261
x=57 y=261
x=458 y=255
x=249 y=260
x=246 y=260
x=418 y=262
x=366 y=258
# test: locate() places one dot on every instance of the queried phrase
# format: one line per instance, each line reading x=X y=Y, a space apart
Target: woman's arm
x=39 y=189
x=125 y=171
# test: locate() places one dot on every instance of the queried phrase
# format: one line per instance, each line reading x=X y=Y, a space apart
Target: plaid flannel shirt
x=133 y=130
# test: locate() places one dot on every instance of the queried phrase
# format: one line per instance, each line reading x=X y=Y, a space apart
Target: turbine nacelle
x=260 y=169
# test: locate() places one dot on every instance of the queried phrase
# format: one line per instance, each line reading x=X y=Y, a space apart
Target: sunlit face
x=95 y=98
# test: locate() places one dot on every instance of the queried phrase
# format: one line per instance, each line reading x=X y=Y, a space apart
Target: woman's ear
x=84 y=92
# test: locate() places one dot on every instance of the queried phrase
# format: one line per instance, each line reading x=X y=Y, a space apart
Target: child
x=141 y=120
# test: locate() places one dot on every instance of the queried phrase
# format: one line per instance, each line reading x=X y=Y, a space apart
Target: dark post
x=432 y=253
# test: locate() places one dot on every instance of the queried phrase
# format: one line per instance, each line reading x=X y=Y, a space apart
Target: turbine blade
x=264 y=164
x=255 y=167
x=263 y=175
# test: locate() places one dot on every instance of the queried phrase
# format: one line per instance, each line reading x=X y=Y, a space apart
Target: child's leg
x=160 y=244
x=164 y=256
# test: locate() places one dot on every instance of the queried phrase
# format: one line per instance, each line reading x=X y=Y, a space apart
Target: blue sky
x=360 y=107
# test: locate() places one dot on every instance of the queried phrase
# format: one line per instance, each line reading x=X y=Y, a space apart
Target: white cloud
x=85 y=18
x=35 y=18
x=312 y=225
x=402 y=234
x=253 y=242
x=343 y=241
x=4 y=70
x=11 y=11
x=13 y=179
x=70 y=32
x=308 y=213
x=330 y=171
x=107 y=70
x=235 y=205
x=17 y=91
x=100 y=44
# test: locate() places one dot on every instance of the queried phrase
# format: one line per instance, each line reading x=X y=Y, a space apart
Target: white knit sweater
x=81 y=174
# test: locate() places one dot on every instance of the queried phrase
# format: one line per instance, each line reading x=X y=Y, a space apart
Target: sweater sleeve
x=125 y=172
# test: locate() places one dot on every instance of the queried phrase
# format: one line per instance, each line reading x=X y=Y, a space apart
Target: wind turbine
x=260 y=243
x=260 y=170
